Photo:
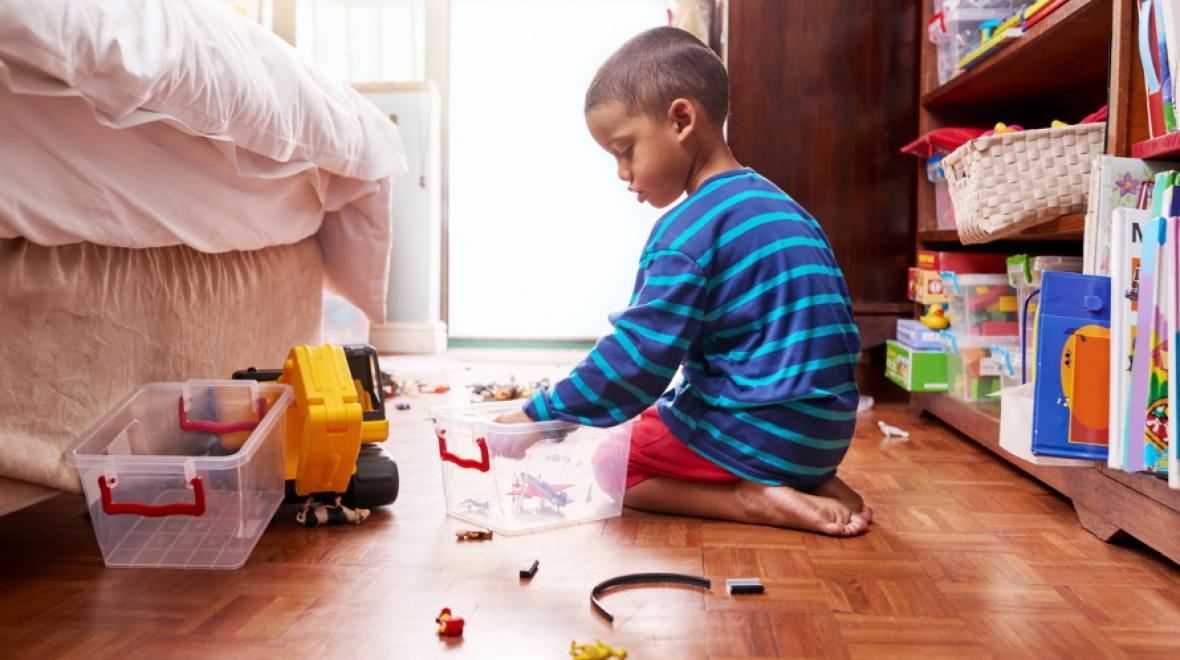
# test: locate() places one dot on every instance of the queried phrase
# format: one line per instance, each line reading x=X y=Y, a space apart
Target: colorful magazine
x=1135 y=435
x=1126 y=253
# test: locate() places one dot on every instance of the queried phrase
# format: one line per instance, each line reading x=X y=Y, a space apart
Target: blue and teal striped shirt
x=738 y=286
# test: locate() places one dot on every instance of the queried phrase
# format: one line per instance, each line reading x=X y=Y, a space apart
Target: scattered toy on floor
x=448 y=624
x=892 y=431
x=433 y=389
x=642 y=578
x=506 y=391
x=401 y=405
x=473 y=535
x=744 y=586
x=528 y=572
x=315 y=514
x=394 y=386
x=596 y=651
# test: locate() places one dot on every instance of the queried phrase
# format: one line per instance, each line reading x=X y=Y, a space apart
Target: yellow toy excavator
x=334 y=427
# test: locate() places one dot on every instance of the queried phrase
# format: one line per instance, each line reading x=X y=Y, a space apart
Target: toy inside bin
x=981 y=305
x=185 y=475
x=495 y=476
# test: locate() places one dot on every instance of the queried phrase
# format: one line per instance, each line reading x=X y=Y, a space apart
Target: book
x=1149 y=59
x=1126 y=252
x=1114 y=184
x=1146 y=426
x=1070 y=415
x=1140 y=376
x=1167 y=42
x=1155 y=416
x=1172 y=248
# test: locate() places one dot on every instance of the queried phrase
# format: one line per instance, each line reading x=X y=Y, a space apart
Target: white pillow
x=201 y=64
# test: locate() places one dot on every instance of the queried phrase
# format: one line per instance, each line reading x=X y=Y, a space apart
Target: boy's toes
x=860 y=521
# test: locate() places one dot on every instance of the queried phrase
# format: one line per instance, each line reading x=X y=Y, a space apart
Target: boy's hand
x=515 y=417
x=513 y=445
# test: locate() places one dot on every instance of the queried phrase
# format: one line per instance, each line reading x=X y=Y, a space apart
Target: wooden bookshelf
x=1165 y=146
x=1081 y=55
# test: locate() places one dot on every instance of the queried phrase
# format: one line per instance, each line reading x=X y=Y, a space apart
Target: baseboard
x=424 y=337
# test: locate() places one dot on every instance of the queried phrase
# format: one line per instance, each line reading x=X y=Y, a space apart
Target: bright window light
x=544 y=238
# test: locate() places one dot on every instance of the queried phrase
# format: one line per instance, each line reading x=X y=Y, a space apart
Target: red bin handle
x=197 y=508
x=219 y=427
x=483 y=464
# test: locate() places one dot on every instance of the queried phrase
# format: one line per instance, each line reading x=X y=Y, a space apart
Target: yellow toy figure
x=595 y=651
x=935 y=318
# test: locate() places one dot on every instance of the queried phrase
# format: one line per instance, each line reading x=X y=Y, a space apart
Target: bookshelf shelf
x=1085 y=52
x=1165 y=146
x=1064 y=228
x=1065 y=50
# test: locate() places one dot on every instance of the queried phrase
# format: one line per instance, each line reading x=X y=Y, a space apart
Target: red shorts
x=655 y=452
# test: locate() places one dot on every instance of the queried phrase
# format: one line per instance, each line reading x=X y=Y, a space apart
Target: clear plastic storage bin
x=944 y=211
x=981 y=305
x=516 y=478
x=1025 y=273
x=163 y=496
x=971 y=372
x=1006 y=361
x=955 y=28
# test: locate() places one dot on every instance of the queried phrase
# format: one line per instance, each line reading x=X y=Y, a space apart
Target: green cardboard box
x=916 y=371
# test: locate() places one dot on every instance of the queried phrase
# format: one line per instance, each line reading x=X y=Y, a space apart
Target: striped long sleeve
x=630 y=368
x=739 y=289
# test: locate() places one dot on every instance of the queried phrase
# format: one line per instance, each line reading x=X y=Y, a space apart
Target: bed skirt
x=82 y=325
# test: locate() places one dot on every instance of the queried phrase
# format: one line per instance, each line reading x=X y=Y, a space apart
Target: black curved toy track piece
x=642 y=578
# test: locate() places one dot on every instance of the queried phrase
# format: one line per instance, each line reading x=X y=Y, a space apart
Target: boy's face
x=650 y=152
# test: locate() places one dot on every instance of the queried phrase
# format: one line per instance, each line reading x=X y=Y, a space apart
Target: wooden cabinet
x=823 y=94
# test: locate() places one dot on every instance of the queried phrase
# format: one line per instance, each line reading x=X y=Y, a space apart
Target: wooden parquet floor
x=966 y=558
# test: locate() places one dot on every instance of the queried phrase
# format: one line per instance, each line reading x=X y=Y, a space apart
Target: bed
x=176 y=189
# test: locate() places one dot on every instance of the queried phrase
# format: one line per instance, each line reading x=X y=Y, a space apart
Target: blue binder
x=1072 y=317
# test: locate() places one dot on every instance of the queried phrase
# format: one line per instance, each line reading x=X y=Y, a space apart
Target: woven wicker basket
x=1005 y=183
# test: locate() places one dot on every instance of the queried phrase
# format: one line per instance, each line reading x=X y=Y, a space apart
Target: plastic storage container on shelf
x=516 y=478
x=943 y=209
x=185 y=475
x=981 y=305
x=1006 y=361
x=1025 y=273
x=970 y=371
x=955 y=29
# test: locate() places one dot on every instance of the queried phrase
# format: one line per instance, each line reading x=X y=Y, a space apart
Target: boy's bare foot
x=783 y=506
x=836 y=489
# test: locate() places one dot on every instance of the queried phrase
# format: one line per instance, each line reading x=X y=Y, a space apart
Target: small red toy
x=449 y=626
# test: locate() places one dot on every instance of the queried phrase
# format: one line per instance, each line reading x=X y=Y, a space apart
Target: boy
x=738 y=286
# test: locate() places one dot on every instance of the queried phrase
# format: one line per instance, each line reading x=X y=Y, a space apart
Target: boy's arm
x=630 y=368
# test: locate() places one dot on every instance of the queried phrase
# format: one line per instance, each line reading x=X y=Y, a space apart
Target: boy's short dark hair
x=657 y=67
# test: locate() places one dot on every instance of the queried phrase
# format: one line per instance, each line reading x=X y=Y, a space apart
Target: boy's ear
x=682 y=114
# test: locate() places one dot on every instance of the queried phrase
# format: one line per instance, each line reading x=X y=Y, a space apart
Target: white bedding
x=147 y=123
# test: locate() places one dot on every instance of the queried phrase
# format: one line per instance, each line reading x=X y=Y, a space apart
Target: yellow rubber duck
x=935 y=318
